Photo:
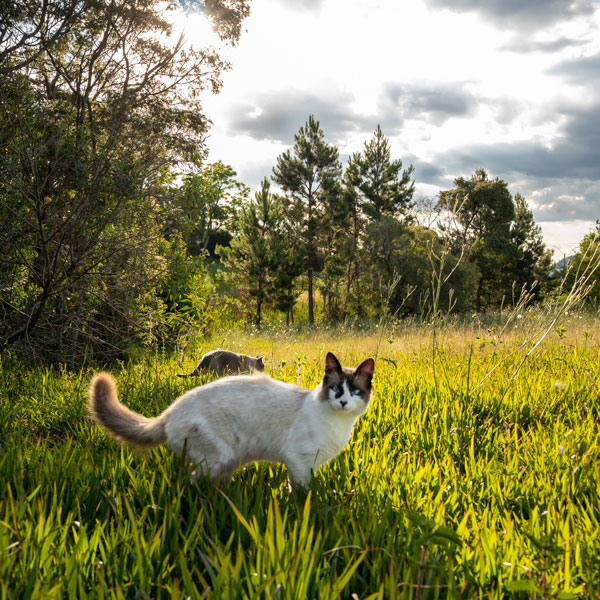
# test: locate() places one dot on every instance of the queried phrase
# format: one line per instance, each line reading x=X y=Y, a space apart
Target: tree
x=29 y=27
x=90 y=125
x=585 y=265
x=309 y=174
x=483 y=211
x=400 y=261
x=206 y=206
x=349 y=250
x=286 y=293
x=375 y=186
x=382 y=187
x=533 y=260
x=290 y=267
x=258 y=260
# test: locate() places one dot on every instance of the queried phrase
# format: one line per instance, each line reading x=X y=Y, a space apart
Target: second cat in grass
x=237 y=420
x=226 y=362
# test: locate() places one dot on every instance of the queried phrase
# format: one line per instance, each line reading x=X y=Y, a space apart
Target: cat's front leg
x=299 y=474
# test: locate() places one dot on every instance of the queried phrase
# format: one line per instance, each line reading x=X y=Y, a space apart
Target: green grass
x=446 y=489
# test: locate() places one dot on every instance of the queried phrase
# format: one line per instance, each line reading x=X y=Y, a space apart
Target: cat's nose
x=343 y=403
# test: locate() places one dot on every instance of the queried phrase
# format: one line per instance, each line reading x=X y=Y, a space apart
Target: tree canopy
x=99 y=100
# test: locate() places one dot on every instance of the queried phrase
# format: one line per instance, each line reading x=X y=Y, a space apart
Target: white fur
x=237 y=420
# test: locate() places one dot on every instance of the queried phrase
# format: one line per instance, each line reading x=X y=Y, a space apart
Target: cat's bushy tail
x=121 y=423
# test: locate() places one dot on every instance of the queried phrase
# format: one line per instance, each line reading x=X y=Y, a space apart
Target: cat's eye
x=335 y=389
x=355 y=392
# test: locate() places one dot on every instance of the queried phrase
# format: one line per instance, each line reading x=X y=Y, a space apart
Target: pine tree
x=308 y=175
x=258 y=259
x=335 y=240
x=375 y=186
x=533 y=259
x=382 y=186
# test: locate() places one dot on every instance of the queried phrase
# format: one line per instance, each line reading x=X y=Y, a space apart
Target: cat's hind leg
x=211 y=456
x=219 y=472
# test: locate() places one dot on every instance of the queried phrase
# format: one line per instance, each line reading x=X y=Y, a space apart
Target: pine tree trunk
x=479 y=294
x=311 y=300
x=348 y=281
x=258 y=312
x=311 y=262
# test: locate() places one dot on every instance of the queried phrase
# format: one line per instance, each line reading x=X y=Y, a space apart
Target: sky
x=508 y=85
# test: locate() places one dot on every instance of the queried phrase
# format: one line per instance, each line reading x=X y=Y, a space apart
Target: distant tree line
x=115 y=230
x=357 y=239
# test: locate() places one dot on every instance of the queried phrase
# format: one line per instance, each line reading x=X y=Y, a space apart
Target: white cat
x=236 y=420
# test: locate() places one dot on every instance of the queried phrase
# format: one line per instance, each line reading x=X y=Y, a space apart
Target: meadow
x=474 y=474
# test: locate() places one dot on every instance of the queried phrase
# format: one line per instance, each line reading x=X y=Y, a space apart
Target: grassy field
x=474 y=474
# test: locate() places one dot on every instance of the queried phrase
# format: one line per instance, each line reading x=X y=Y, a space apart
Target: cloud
x=561 y=180
x=564 y=200
x=520 y=14
x=525 y=46
x=426 y=172
x=302 y=4
x=435 y=104
x=574 y=153
x=277 y=116
x=579 y=71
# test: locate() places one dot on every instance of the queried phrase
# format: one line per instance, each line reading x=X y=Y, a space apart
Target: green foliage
x=497 y=235
x=183 y=303
x=206 y=206
x=88 y=139
x=459 y=492
x=258 y=261
x=533 y=260
x=400 y=263
x=586 y=264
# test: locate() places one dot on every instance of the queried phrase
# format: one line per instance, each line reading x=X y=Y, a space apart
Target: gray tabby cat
x=233 y=421
x=225 y=362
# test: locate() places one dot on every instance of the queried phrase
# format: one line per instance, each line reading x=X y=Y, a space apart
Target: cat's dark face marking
x=347 y=390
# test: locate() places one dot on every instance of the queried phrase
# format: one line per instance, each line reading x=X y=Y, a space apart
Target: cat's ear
x=365 y=370
x=332 y=364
